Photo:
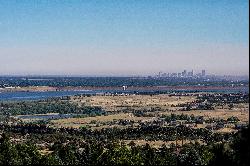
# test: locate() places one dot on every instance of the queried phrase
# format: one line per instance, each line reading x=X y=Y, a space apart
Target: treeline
x=114 y=81
x=210 y=101
x=43 y=107
x=144 y=132
x=235 y=152
x=224 y=98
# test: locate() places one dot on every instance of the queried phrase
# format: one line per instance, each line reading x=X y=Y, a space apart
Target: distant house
x=211 y=126
x=229 y=125
x=177 y=122
x=173 y=123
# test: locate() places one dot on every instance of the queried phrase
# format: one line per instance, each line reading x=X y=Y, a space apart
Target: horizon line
x=103 y=75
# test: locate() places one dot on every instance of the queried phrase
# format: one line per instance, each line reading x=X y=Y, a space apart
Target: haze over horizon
x=114 y=38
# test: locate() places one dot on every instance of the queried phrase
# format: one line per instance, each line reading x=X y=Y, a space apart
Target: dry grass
x=77 y=122
x=218 y=113
x=112 y=103
x=45 y=151
x=225 y=130
x=164 y=101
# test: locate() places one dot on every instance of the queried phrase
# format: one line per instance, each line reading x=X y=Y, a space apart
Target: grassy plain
x=164 y=101
x=114 y=103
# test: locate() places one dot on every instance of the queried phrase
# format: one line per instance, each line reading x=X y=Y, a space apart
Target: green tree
x=8 y=153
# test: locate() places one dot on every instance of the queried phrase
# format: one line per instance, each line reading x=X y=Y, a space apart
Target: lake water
x=44 y=95
x=38 y=95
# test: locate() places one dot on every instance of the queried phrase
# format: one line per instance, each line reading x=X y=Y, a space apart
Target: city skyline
x=123 y=38
x=184 y=73
x=195 y=74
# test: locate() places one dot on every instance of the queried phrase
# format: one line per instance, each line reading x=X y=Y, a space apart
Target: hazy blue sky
x=123 y=37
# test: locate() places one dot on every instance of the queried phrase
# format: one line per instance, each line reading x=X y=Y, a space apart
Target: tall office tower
x=159 y=74
x=203 y=73
x=184 y=73
x=192 y=73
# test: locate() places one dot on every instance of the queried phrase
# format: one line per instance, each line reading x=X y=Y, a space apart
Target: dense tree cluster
x=235 y=152
x=43 y=107
x=210 y=101
x=225 y=98
x=145 y=132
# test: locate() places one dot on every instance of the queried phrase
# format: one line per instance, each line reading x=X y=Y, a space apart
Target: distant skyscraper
x=159 y=74
x=190 y=74
x=203 y=73
x=164 y=75
x=184 y=73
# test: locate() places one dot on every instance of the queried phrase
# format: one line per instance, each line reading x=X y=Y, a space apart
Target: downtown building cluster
x=183 y=74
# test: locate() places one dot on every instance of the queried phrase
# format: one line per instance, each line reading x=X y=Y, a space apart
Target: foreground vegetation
x=106 y=130
x=89 y=152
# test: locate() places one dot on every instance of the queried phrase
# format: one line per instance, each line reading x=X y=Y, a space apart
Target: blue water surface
x=50 y=94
